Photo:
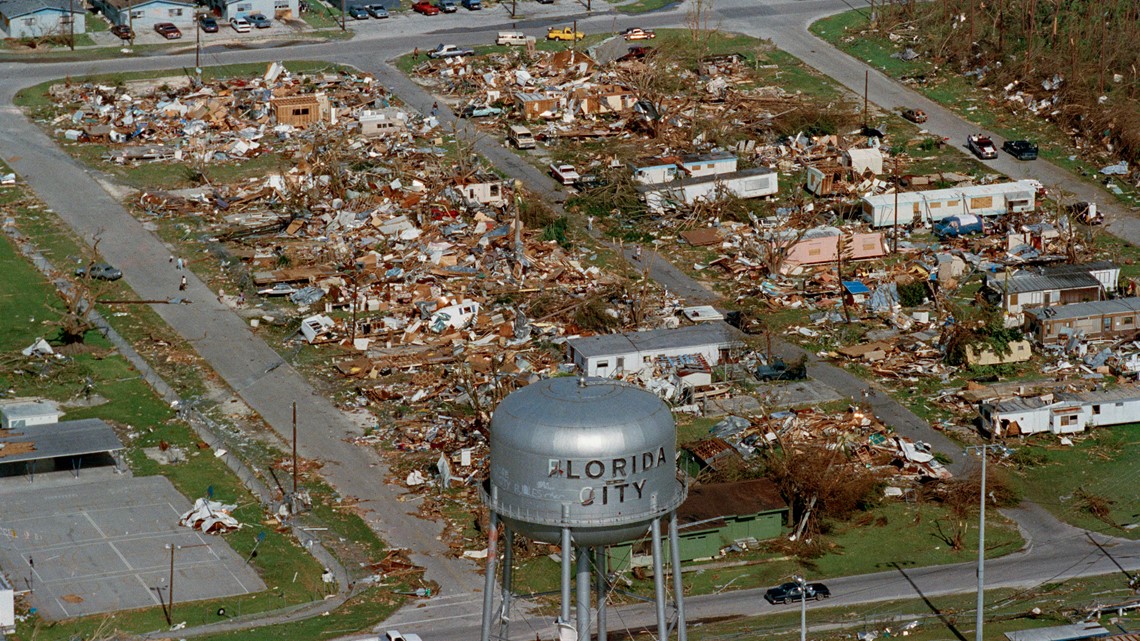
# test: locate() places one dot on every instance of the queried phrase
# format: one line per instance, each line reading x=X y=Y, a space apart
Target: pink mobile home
x=821 y=246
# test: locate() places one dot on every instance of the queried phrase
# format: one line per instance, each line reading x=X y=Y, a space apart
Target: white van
x=520 y=137
x=509 y=38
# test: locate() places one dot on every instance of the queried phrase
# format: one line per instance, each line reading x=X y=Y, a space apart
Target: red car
x=426 y=8
x=168 y=30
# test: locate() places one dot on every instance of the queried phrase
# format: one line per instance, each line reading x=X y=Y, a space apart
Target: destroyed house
x=142 y=15
x=666 y=169
x=933 y=205
x=601 y=99
x=1061 y=413
x=1118 y=318
x=1048 y=286
x=380 y=123
x=820 y=246
x=749 y=183
x=301 y=111
x=717 y=515
x=705 y=345
x=537 y=105
x=39 y=18
x=481 y=190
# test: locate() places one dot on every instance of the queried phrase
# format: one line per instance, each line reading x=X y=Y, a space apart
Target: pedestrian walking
x=434 y=109
x=637 y=253
x=589 y=223
x=180 y=264
x=182 y=284
x=172 y=259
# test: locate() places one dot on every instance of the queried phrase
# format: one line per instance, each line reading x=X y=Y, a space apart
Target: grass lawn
x=972 y=102
x=644 y=6
x=1100 y=464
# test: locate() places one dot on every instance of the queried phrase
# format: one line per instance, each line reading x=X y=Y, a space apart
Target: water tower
x=583 y=463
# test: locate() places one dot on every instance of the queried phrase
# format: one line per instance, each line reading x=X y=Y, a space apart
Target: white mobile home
x=632 y=352
x=1065 y=413
x=934 y=205
x=749 y=183
x=142 y=15
x=669 y=168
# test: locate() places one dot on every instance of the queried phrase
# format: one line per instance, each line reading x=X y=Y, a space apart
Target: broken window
x=1096 y=410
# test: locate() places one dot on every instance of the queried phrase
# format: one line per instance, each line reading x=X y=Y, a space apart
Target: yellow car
x=566 y=33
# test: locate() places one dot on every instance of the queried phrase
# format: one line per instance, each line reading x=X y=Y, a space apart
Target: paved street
x=257 y=373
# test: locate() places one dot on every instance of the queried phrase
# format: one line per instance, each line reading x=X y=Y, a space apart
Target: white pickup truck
x=563 y=173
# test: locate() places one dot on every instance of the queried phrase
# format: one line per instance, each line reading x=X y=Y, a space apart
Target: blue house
x=273 y=9
x=142 y=15
x=40 y=18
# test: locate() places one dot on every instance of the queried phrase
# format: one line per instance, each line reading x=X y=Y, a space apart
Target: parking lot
x=94 y=548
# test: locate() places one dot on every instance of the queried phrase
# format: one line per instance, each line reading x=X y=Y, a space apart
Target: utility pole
x=294 y=450
x=71 y=23
x=803 y=605
x=866 y=88
x=170 y=588
x=131 y=21
x=895 y=172
x=197 y=43
x=980 y=617
x=342 y=16
x=574 y=37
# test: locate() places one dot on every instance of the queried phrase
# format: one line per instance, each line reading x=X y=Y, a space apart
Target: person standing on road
x=434 y=109
x=637 y=253
x=179 y=264
x=182 y=284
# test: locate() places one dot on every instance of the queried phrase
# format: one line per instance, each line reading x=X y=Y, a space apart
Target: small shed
x=301 y=111
x=711 y=453
x=855 y=291
x=538 y=105
x=22 y=414
x=861 y=161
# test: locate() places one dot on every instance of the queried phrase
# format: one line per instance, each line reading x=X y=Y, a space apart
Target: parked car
x=426 y=8
x=634 y=33
x=566 y=33
x=168 y=30
x=357 y=12
x=395 y=635
x=1020 y=149
x=377 y=11
x=590 y=181
x=123 y=31
x=100 y=271
x=917 y=116
x=563 y=173
x=545 y=1
x=787 y=592
x=450 y=51
x=259 y=20
x=509 y=38
x=521 y=137
x=240 y=24
x=479 y=111
x=278 y=289
x=447 y=6
x=472 y=5
x=981 y=146
x=778 y=370
x=208 y=23
x=959 y=225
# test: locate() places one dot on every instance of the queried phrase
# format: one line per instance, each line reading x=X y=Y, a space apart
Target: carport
x=69 y=442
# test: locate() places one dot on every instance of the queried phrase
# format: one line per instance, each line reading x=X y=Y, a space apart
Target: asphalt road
x=257 y=373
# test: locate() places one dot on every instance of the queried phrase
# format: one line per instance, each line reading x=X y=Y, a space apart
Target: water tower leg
x=658 y=579
x=489 y=579
x=564 y=615
x=678 y=585
x=602 y=589
x=582 y=582
x=508 y=560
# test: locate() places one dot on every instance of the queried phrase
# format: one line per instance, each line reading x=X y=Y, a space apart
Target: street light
x=981 y=542
x=803 y=605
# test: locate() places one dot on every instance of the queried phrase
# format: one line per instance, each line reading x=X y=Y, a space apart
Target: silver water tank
x=595 y=455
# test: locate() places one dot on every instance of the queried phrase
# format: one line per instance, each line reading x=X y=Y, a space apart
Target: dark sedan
x=168 y=30
x=99 y=271
x=1020 y=149
x=123 y=31
x=788 y=592
x=357 y=12
x=209 y=24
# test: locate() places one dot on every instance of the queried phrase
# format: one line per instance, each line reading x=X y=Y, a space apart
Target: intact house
x=706 y=344
x=1048 y=286
x=748 y=183
x=281 y=9
x=1117 y=318
x=933 y=205
x=713 y=517
x=301 y=110
x=142 y=15
x=820 y=246
x=39 y=18
x=664 y=169
x=1061 y=413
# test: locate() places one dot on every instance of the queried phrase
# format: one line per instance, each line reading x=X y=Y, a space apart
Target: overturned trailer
x=749 y=183
x=933 y=205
